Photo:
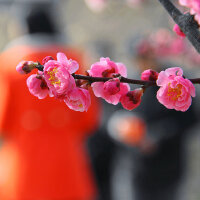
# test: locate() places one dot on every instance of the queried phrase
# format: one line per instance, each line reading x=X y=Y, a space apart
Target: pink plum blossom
x=175 y=91
x=145 y=47
x=58 y=75
x=132 y=99
x=149 y=75
x=25 y=67
x=37 y=86
x=58 y=79
x=161 y=43
x=178 y=46
x=78 y=99
x=165 y=44
x=71 y=65
x=108 y=68
x=194 y=6
x=178 y=31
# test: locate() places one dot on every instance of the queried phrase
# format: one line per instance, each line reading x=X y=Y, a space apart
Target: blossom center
x=76 y=102
x=80 y=105
x=108 y=72
x=53 y=79
x=174 y=93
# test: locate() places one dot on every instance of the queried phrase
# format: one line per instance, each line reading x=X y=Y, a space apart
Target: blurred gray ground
x=112 y=33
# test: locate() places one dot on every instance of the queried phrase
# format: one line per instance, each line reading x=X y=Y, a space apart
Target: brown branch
x=195 y=80
x=124 y=80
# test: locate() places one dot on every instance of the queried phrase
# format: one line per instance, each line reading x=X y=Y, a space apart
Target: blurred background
x=125 y=148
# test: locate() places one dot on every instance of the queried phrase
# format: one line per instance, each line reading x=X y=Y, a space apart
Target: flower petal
x=122 y=69
x=174 y=71
x=62 y=58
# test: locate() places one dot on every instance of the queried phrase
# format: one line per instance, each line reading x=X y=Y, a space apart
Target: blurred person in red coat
x=43 y=154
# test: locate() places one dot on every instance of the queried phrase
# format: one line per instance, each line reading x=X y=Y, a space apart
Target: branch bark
x=125 y=80
x=186 y=23
x=122 y=79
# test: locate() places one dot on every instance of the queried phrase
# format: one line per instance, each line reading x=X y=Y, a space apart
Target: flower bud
x=132 y=99
x=46 y=59
x=149 y=75
x=25 y=67
x=178 y=31
x=112 y=86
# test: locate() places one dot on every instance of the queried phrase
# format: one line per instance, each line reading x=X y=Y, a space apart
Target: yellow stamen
x=75 y=102
x=53 y=78
x=174 y=93
x=80 y=105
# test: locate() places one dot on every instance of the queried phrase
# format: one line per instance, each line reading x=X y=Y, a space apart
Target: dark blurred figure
x=102 y=150
x=158 y=172
x=43 y=154
x=153 y=169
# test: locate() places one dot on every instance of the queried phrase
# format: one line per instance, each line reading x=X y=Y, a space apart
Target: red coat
x=43 y=154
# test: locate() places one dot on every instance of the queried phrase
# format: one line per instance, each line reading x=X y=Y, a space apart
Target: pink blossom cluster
x=113 y=91
x=56 y=79
x=166 y=44
x=162 y=43
x=175 y=91
x=194 y=6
